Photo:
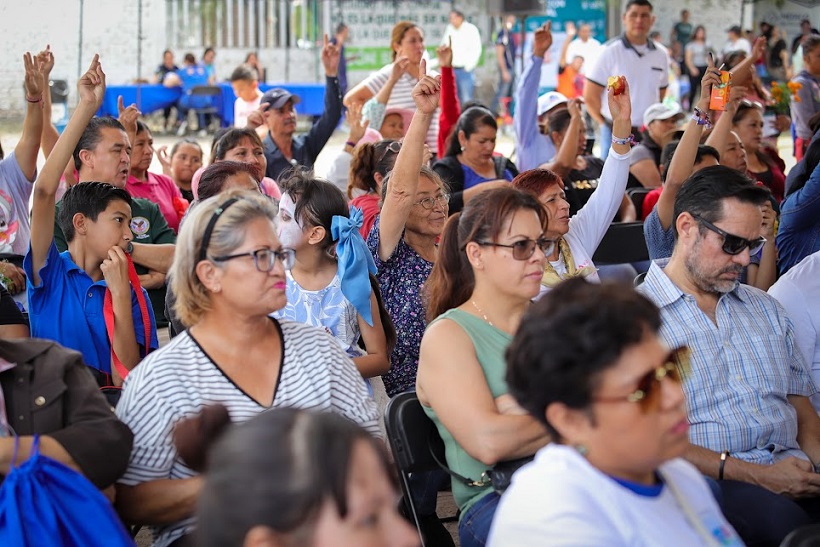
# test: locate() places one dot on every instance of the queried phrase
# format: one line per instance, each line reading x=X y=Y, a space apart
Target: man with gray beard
x=747 y=394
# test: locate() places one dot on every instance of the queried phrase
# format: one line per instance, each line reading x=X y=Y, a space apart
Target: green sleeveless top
x=490 y=344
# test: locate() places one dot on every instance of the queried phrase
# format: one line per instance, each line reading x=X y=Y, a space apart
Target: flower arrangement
x=782 y=95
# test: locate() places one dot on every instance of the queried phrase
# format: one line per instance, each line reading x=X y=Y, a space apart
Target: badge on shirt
x=140 y=227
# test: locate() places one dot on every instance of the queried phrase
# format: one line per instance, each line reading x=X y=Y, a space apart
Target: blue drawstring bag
x=43 y=502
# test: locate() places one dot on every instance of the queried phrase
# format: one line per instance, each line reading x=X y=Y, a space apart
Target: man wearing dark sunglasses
x=748 y=395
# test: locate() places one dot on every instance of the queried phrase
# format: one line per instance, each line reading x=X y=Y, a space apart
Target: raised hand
x=354 y=120
x=710 y=78
x=257 y=117
x=574 y=108
x=769 y=217
x=91 y=86
x=427 y=92
x=620 y=105
x=164 y=159
x=569 y=28
x=331 y=55
x=542 y=39
x=445 y=53
x=47 y=58
x=399 y=66
x=736 y=94
x=34 y=77
x=128 y=116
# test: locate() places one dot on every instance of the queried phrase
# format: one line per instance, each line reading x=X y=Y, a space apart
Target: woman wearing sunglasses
x=490 y=265
x=579 y=236
x=588 y=364
x=228 y=275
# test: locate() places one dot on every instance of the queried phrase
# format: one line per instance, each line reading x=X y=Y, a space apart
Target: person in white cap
x=659 y=121
x=532 y=142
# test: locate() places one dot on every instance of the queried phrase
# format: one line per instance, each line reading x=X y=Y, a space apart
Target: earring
x=217 y=289
x=582 y=450
x=462 y=149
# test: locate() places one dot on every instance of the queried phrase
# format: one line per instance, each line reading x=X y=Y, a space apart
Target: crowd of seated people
x=681 y=410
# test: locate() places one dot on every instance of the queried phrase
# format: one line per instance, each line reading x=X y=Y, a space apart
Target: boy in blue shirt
x=66 y=290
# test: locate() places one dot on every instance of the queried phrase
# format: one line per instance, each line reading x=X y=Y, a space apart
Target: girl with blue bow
x=330 y=285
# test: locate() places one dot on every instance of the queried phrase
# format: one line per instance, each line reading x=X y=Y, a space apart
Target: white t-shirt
x=176 y=381
x=589 y=50
x=646 y=68
x=466 y=45
x=15 y=191
x=799 y=292
x=242 y=109
x=561 y=500
x=741 y=44
x=402 y=97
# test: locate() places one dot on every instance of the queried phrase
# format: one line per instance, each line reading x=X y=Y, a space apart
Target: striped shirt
x=743 y=368
x=176 y=381
x=402 y=97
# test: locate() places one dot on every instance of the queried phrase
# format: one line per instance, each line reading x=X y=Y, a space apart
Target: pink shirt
x=163 y=191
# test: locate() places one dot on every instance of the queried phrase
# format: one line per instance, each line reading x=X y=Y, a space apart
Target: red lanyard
x=108 y=313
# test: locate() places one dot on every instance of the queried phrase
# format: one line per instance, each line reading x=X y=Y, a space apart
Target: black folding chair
x=637 y=195
x=415 y=443
x=623 y=243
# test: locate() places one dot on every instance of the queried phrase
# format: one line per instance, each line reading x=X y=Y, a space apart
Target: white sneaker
x=183 y=128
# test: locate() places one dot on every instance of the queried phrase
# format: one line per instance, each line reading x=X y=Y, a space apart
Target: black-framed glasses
x=430 y=202
x=732 y=244
x=264 y=258
x=524 y=249
x=394 y=147
x=647 y=394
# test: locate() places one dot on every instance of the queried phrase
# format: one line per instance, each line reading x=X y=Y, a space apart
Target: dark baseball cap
x=277 y=97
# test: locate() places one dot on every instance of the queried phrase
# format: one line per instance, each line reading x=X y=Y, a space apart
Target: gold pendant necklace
x=484 y=315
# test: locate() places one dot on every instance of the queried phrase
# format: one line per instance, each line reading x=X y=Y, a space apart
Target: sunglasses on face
x=524 y=249
x=648 y=392
x=732 y=244
x=264 y=259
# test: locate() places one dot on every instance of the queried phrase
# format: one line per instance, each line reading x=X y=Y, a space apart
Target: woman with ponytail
x=491 y=259
x=369 y=167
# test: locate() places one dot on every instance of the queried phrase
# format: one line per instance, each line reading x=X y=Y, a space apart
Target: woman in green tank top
x=491 y=259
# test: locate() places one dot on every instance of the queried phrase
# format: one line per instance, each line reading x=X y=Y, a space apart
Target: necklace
x=484 y=315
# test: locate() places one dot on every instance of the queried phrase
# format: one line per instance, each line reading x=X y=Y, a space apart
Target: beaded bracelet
x=701 y=118
x=626 y=140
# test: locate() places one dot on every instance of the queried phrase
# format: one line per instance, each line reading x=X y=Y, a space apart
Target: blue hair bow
x=354 y=261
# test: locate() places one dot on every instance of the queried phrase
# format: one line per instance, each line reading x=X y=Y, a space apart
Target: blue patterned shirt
x=400 y=279
x=743 y=368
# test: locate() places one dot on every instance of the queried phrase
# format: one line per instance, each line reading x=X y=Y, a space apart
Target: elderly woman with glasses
x=228 y=275
x=588 y=365
x=404 y=237
x=491 y=261
x=579 y=236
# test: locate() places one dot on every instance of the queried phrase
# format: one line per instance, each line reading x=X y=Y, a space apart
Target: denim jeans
x=465 y=84
x=505 y=89
x=474 y=526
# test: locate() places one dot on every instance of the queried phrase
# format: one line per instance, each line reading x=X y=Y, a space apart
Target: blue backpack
x=43 y=502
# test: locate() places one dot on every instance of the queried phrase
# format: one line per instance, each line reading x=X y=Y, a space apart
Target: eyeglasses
x=524 y=249
x=732 y=244
x=394 y=147
x=675 y=367
x=429 y=203
x=264 y=259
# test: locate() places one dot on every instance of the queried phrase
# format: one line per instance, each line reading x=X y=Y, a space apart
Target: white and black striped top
x=179 y=379
x=402 y=97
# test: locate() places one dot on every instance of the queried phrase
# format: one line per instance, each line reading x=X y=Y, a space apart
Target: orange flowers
x=782 y=94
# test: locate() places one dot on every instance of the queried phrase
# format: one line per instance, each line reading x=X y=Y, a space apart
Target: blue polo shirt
x=67 y=307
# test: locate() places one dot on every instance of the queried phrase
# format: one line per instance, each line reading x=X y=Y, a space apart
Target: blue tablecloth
x=152 y=97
